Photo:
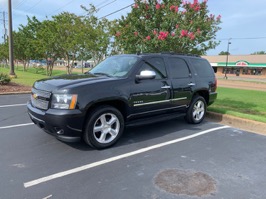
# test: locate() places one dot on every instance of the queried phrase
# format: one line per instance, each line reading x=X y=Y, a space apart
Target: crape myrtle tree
x=48 y=45
x=25 y=39
x=98 y=41
x=167 y=25
x=68 y=28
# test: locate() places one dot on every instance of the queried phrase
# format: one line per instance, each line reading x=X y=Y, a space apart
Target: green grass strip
x=247 y=104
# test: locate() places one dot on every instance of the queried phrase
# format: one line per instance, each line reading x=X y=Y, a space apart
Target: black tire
x=196 y=111
x=104 y=126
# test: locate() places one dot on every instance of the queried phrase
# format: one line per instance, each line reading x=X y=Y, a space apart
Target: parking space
x=36 y=165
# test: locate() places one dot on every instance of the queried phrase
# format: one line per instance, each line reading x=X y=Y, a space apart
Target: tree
x=70 y=36
x=224 y=53
x=259 y=53
x=25 y=41
x=98 y=40
x=167 y=25
x=48 y=45
x=4 y=53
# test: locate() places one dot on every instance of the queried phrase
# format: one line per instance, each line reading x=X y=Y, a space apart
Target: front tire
x=196 y=111
x=105 y=125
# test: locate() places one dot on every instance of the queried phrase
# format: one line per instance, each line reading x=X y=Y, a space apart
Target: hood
x=68 y=81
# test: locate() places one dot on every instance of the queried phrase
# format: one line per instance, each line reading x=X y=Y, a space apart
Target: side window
x=202 y=67
x=179 y=68
x=157 y=65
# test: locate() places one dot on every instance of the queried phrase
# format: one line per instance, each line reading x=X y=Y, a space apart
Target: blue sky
x=243 y=21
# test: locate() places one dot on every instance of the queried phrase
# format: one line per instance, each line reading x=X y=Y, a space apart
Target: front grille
x=40 y=99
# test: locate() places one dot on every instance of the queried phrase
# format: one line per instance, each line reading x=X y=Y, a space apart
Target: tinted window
x=202 y=67
x=179 y=68
x=157 y=65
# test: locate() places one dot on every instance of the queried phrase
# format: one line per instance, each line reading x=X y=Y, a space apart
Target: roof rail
x=169 y=53
x=173 y=53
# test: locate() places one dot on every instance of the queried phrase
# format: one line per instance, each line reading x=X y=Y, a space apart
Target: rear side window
x=202 y=67
x=179 y=68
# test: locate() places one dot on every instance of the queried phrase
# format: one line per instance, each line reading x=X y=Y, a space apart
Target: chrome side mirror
x=146 y=74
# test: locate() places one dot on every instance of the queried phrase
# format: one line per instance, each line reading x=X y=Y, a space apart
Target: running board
x=154 y=119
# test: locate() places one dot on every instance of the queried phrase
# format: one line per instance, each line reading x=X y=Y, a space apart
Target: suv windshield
x=116 y=66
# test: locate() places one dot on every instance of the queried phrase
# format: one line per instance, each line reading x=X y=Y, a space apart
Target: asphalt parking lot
x=166 y=160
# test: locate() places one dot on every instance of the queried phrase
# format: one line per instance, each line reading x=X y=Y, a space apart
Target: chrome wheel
x=106 y=128
x=198 y=110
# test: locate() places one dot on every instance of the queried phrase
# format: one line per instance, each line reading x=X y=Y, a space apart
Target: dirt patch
x=185 y=182
x=14 y=88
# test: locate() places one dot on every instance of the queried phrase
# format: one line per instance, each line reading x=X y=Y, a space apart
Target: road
x=164 y=160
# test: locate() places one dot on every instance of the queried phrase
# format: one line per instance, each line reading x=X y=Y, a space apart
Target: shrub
x=4 y=79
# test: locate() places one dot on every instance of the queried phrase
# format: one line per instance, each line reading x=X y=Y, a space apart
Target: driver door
x=151 y=96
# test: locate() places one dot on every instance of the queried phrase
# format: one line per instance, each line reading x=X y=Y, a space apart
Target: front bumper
x=66 y=125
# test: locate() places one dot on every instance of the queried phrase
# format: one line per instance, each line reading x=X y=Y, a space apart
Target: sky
x=243 y=21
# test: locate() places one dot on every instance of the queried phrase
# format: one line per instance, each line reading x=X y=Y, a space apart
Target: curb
x=240 y=123
x=16 y=93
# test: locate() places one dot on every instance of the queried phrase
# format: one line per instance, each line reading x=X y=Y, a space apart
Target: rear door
x=182 y=81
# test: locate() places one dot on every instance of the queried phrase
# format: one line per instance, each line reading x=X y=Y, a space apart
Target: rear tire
x=196 y=111
x=104 y=127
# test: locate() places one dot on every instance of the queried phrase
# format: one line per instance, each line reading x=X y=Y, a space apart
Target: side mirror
x=146 y=74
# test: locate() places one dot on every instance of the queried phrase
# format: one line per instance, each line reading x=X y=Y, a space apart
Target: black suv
x=123 y=90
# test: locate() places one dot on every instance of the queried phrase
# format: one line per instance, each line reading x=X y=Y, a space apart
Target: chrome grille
x=40 y=99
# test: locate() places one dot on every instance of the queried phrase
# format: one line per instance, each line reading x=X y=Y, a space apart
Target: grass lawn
x=247 y=104
x=31 y=75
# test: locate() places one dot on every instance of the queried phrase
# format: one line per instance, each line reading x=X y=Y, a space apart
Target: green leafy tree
x=25 y=41
x=4 y=53
x=99 y=36
x=68 y=30
x=48 y=45
x=167 y=25
x=224 y=53
x=259 y=53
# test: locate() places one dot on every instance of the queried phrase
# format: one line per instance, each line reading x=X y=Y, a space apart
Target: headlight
x=64 y=101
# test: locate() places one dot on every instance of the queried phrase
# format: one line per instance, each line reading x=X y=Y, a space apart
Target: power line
x=19 y=4
x=106 y=4
x=33 y=6
x=97 y=9
x=241 y=38
x=101 y=3
x=61 y=7
x=117 y=11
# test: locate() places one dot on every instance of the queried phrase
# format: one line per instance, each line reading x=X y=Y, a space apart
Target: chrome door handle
x=166 y=87
x=191 y=84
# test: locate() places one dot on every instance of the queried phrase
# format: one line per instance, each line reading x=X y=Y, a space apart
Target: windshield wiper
x=101 y=74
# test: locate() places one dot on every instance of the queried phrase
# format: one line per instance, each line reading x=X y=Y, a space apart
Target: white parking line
x=119 y=157
x=4 y=106
x=17 y=125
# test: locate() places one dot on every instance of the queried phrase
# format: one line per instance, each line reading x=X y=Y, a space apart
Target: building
x=239 y=64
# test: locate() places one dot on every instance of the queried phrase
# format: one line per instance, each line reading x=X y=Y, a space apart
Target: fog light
x=60 y=132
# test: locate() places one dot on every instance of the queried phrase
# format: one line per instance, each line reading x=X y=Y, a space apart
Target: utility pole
x=227 y=54
x=10 y=39
x=5 y=30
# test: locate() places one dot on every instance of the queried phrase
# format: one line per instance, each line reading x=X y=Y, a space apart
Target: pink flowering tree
x=167 y=25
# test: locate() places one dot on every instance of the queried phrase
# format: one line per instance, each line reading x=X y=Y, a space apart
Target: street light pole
x=10 y=39
x=227 y=54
